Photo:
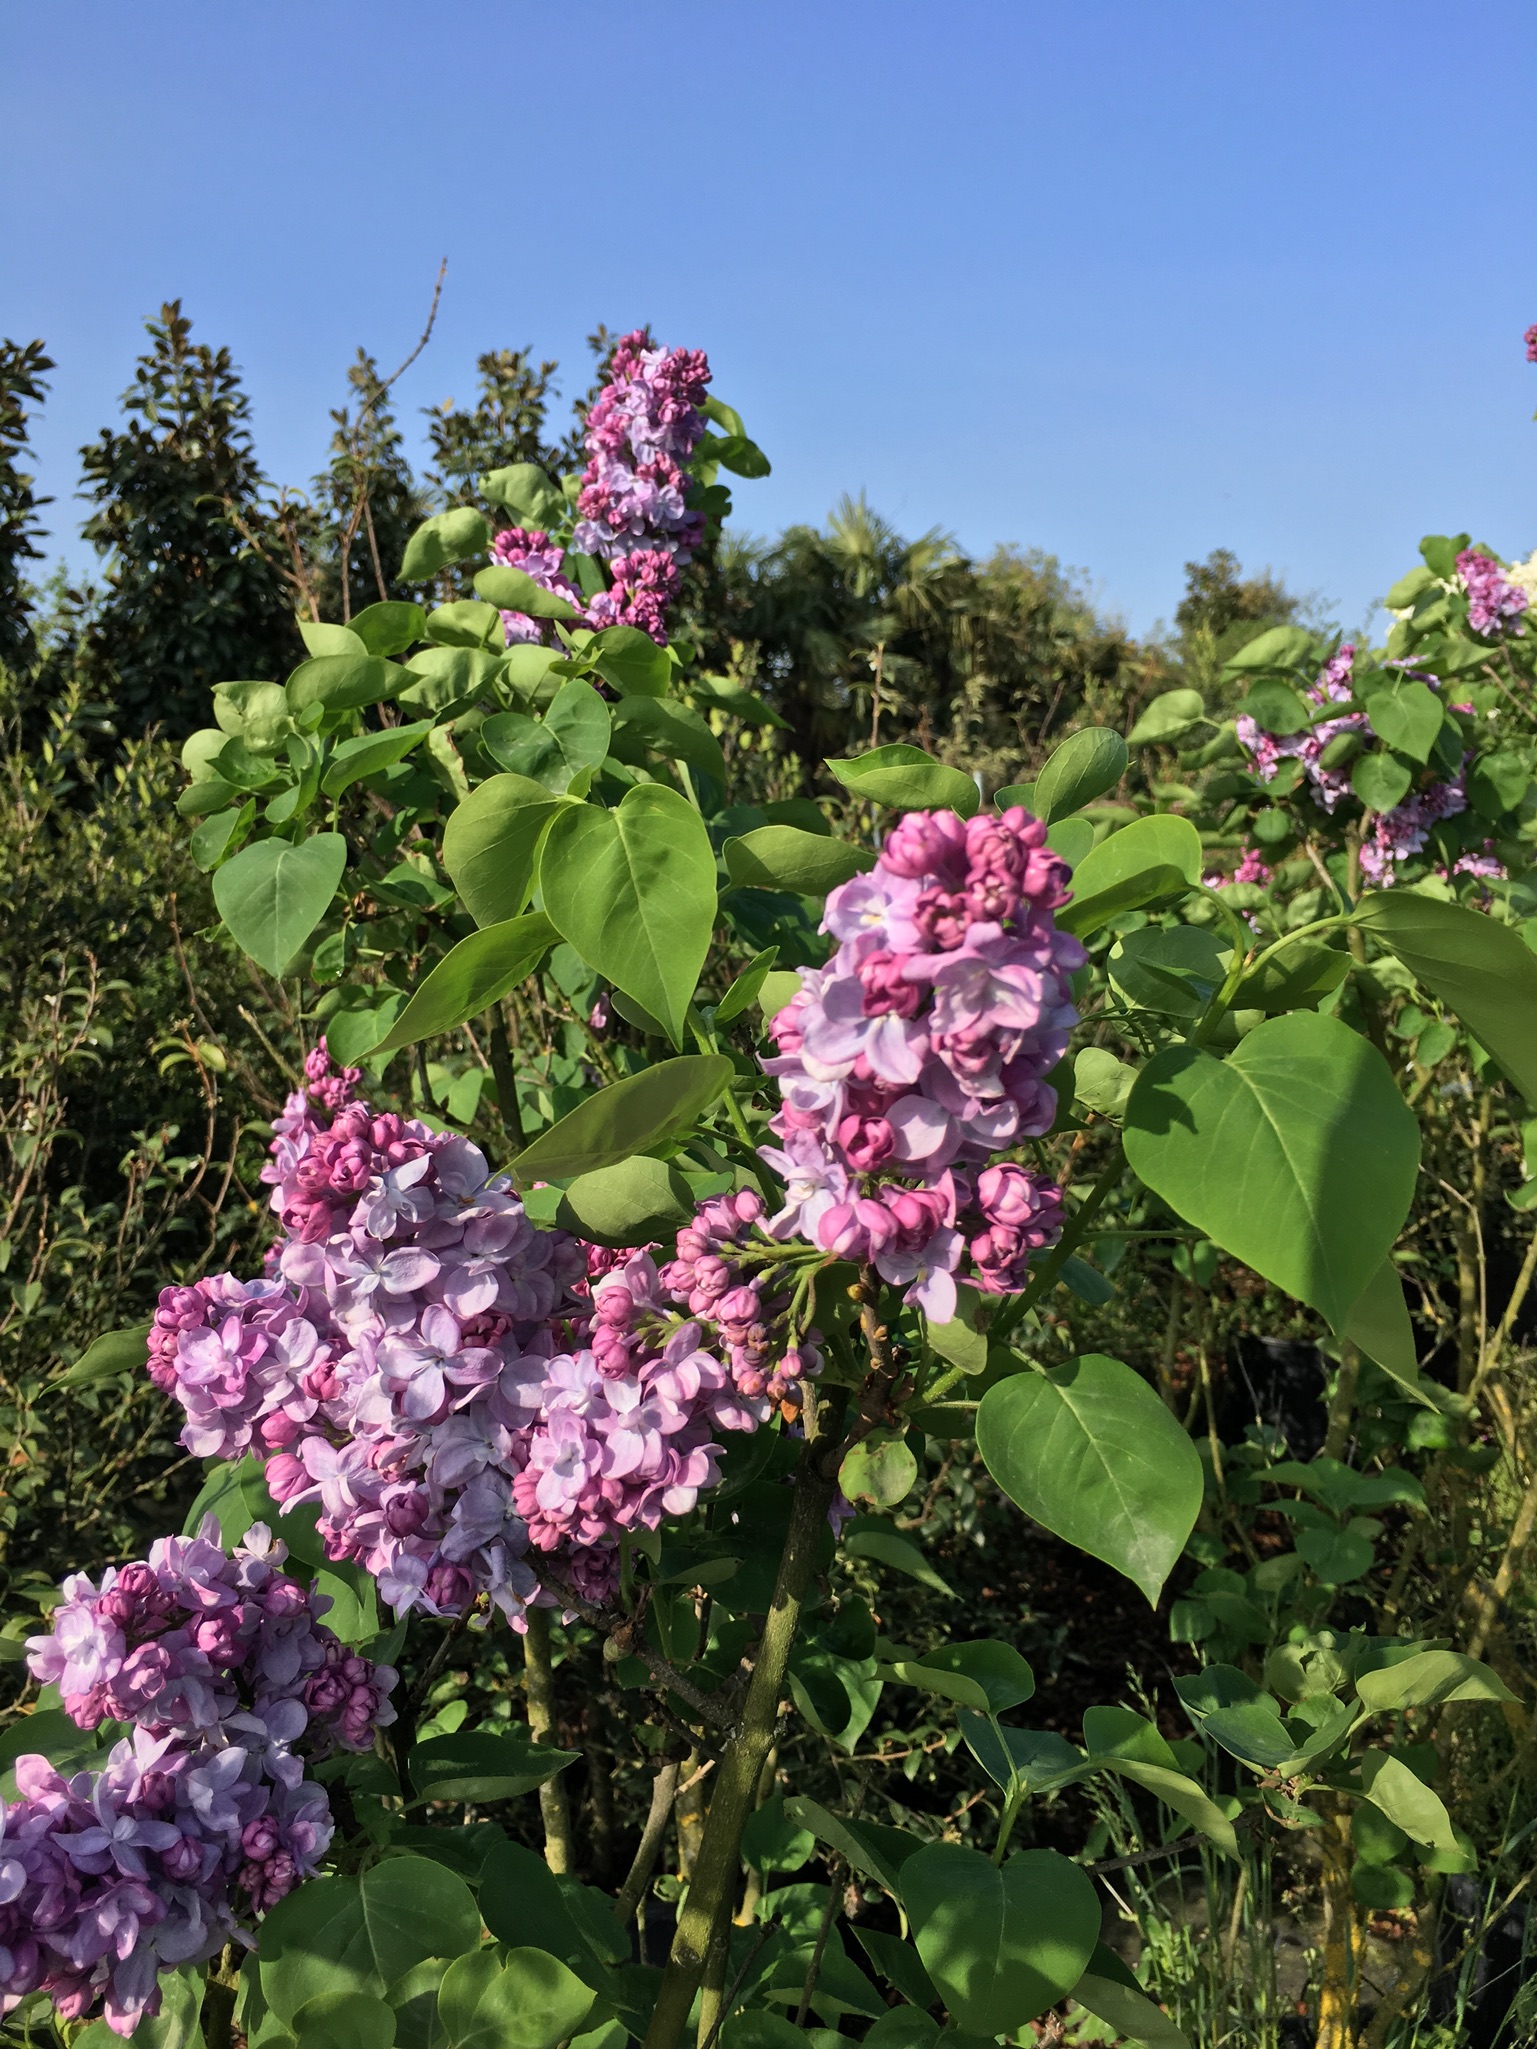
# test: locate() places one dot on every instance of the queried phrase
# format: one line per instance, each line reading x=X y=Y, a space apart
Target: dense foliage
x=866 y=1166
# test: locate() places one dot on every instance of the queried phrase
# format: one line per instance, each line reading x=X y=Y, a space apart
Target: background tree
x=194 y=591
x=23 y=368
x=505 y=425
x=367 y=501
x=1223 y=609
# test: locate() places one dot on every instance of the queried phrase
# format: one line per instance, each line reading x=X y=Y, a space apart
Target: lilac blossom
x=1495 y=605
x=1326 y=785
x=202 y=1816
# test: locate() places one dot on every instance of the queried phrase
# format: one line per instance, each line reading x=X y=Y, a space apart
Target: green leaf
x=639 y=1202
x=630 y=660
x=879 y=1468
x=1091 y=1453
x=780 y=986
x=744 y=990
x=1381 y=781
x=1072 y=838
x=901 y=1965
x=1082 y=768
x=633 y=890
x=1276 y=709
x=523 y=488
x=321 y=638
x=345 y=682
x=472 y=1764
x=114 y=1352
x=907 y=779
x=350 y=1034
x=1179 y=1792
x=1427 y=1679
x=447 y=678
x=1175 y=970
x=959 y=1342
x=530 y=2002
x=772 y=1842
x=1379 y=1323
x=1294 y=980
x=987 y=1676
x=471 y=976
x=625 y=1118
x=469 y=626
x=491 y=844
x=176 y=2026
x=272 y=895
x=1280 y=647
x=1479 y=968
x=446 y=537
x=514 y=590
x=360 y=1934
x=257 y=712
x=1408 y=717
x=344 y=2020
x=676 y=732
x=760 y=2029
x=871 y=1847
x=1001 y=1944
x=572 y=735
x=1102 y=1082
x=890 y=1548
x=1405 y=1799
x=388 y=628
x=1151 y=861
x=1168 y=717
x=1110 y=1992
x=801 y=863
x=1296 y=1154
x=368 y=753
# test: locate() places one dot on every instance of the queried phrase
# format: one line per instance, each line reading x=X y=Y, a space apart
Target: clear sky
x=1124 y=280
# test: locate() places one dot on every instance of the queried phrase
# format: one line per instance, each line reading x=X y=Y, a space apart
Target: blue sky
x=1124 y=281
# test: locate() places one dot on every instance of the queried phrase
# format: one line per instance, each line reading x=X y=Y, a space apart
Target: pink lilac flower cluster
x=532 y=550
x=228 y=1680
x=426 y=1365
x=921 y=1051
x=1393 y=837
x=1252 y=868
x=632 y=512
x=1268 y=750
x=1494 y=603
x=678 y=1353
x=1530 y=338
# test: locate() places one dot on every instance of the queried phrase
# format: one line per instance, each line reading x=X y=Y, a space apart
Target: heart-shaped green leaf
x=1381 y=781
x=1297 y=1153
x=633 y=890
x=388 y=628
x=491 y=843
x=672 y=732
x=572 y=735
x=908 y=779
x=636 y=1203
x=1090 y=1451
x=1408 y=717
x=360 y=1934
x=1001 y=1944
x=630 y=660
x=802 y=863
x=446 y=537
x=1168 y=717
x=1152 y=860
x=514 y=590
x=273 y=894
x=627 y=1117
x=1479 y=968
x=471 y=976
x=1081 y=769
x=367 y=753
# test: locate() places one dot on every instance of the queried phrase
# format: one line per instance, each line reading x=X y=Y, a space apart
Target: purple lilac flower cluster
x=632 y=508
x=436 y=1373
x=1396 y=836
x=677 y=1354
x=533 y=551
x=228 y=1679
x=1327 y=786
x=1495 y=605
x=921 y=1051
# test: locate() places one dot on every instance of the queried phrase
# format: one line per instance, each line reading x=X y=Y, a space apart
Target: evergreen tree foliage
x=23 y=369
x=505 y=425
x=195 y=591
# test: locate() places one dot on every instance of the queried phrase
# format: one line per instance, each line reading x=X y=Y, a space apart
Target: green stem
x=539 y=1684
x=713 y=1884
